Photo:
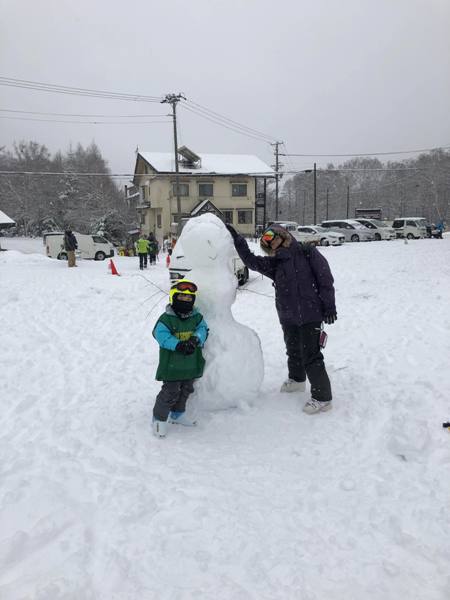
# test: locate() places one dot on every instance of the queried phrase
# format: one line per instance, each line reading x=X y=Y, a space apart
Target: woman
x=304 y=298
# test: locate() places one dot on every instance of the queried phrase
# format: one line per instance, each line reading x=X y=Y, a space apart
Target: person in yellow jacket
x=142 y=245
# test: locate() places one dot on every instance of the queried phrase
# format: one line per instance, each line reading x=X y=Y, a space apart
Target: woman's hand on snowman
x=234 y=234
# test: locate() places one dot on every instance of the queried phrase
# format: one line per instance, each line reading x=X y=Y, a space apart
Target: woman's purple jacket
x=304 y=290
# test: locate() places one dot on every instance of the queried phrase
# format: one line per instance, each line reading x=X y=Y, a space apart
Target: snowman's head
x=206 y=242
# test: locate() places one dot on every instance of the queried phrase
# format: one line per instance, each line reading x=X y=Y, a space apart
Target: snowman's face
x=206 y=243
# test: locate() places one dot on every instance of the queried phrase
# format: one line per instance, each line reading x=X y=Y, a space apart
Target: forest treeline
x=47 y=201
x=416 y=187
x=89 y=203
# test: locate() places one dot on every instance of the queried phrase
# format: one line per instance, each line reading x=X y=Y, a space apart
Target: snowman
x=234 y=367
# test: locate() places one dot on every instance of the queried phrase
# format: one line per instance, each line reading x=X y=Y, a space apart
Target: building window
x=238 y=189
x=143 y=192
x=228 y=216
x=183 y=187
x=158 y=221
x=206 y=190
x=245 y=217
x=142 y=221
x=146 y=168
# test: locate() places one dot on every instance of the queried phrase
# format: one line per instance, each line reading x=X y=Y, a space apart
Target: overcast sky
x=324 y=76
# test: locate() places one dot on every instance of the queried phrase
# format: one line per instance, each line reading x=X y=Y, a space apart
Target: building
x=5 y=222
x=221 y=183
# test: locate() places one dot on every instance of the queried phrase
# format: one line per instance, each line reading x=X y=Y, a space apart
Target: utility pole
x=173 y=99
x=348 y=200
x=327 y=207
x=277 y=167
x=265 y=203
x=315 y=194
x=314 y=171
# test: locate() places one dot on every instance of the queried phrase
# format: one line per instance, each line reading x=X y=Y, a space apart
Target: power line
x=231 y=121
x=63 y=89
x=82 y=122
x=358 y=169
x=372 y=153
x=222 y=124
x=74 y=173
x=30 y=112
x=89 y=174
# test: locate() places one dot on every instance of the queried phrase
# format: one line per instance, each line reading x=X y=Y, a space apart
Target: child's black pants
x=173 y=396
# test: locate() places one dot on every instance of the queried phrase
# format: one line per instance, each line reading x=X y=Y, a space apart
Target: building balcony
x=143 y=204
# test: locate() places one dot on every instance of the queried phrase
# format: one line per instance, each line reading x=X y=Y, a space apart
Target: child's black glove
x=234 y=234
x=194 y=341
x=185 y=348
x=330 y=317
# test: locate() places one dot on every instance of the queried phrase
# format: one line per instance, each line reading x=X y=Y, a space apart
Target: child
x=180 y=332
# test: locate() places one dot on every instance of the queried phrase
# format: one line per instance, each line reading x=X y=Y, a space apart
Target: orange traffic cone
x=112 y=268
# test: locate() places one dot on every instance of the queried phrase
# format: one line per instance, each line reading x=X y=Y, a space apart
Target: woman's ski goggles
x=268 y=237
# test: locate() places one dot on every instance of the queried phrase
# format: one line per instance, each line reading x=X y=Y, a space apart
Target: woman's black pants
x=305 y=360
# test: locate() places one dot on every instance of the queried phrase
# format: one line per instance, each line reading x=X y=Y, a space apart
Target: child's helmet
x=182 y=286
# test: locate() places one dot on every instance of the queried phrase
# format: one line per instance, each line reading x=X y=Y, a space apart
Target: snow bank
x=261 y=504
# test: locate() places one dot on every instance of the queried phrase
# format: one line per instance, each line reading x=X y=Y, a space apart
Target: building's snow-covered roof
x=5 y=220
x=219 y=164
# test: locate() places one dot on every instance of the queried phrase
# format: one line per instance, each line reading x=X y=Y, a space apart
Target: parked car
x=381 y=230
x=95 y=247
x=410 y=227
x=291 y=226
x=350 y=229
x=326 y=236
x=310 y=237
x=179 y=266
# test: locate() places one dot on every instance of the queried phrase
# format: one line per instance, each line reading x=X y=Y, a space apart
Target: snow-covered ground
x=265 y=503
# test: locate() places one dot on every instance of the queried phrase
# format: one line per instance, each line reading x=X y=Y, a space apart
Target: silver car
x=326 y=236
x=381 y=231
x=351 y=229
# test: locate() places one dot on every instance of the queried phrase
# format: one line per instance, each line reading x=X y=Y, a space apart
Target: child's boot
x=180 y=418
x=159 y=428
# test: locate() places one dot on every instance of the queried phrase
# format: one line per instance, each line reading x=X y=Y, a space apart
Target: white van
x=410 y=227
x=95 y=247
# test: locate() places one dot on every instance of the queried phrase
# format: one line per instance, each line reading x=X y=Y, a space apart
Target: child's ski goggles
x=184 y=286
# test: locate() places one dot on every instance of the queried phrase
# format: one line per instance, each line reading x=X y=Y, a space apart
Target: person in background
x=304 y=298
x=181 y=332
x=169 y=254
x=152 y=248
x=440 y=227
x=142 y=249
x=70 y=245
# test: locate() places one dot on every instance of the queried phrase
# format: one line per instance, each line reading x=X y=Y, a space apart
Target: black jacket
x=303 y=282
x=70 y=241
